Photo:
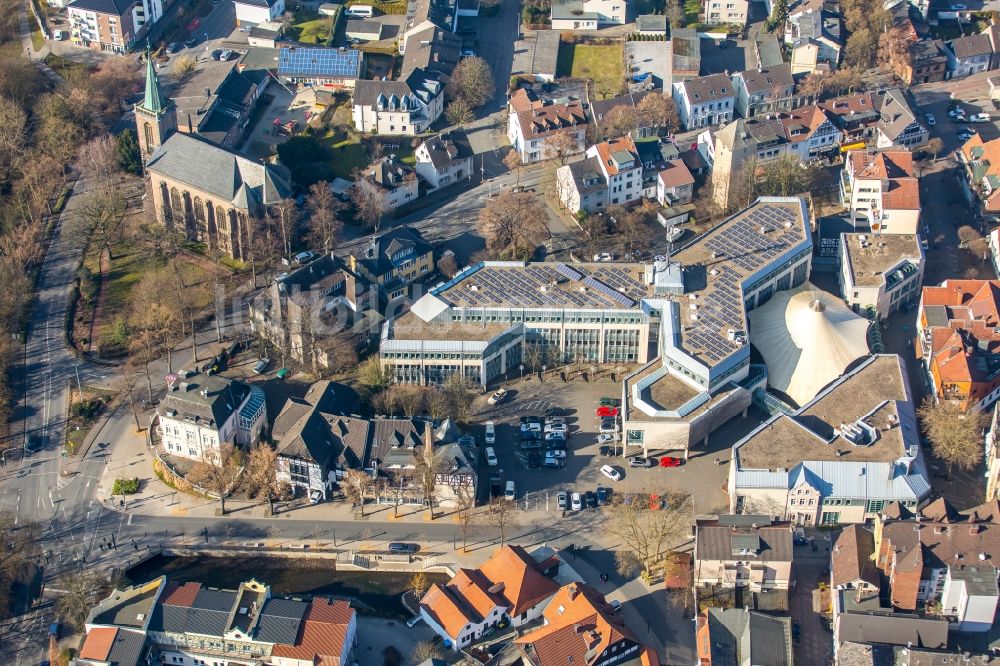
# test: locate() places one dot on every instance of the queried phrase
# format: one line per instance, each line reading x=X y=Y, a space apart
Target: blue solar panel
x=318 y=62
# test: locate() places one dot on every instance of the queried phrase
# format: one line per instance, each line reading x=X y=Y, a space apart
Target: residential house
x=748 y=551
x=600 y=108
x=300 y=309
x=981 y=162
x=685 y=53
x=444 y=159
x=765 y=90
x=674 y=184
x=881 y=274
x=618 y=169
x=704 y=101
x=881 y=191
x=215 y=102
x=587 y=14
x=112 y=25
x=430 y=48
x=927 y=62
x=880 y=119
x=396 y=182
x=651 y=25
x=742 y=636
x=838 y=459
x=968 y=55
x=393 y=260
x=511 y=587
x=254 y=12
x=336 y=68
x=187 y=623
x=807 y=133
x=202 y=413
x=582 y=628
x=958 y=327
x=726 y=12
x=532 y=122
x=766 y=50
x=816 y=39
x=993 y=32
x=317 y=442
x=406 y=107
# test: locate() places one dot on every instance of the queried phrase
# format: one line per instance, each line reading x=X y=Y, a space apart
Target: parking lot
x=703 y=475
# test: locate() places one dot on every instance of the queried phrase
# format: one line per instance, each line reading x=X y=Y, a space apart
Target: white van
x=509 y=493
x=361 y=10
x=491 y=433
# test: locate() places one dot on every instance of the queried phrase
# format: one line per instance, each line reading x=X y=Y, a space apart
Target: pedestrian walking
x=716 y=460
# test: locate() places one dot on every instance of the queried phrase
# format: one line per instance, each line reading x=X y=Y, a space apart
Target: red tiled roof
x=180 y=594
x=524 y=585
x=322 y=635
x=98 y=644
x=884 y=164
x=606 y=149
x=675 y=174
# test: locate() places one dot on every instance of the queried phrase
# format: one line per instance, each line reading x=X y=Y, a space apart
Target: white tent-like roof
x=807 y=337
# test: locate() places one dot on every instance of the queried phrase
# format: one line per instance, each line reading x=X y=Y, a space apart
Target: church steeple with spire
x=156 y=116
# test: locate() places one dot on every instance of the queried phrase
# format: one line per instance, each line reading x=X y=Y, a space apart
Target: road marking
x=130 y=517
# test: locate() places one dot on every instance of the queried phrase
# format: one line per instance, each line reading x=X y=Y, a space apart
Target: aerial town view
x=499 y=332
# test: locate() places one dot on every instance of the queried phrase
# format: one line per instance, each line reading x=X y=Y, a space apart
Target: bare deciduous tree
x=261 y=472
x=560 y=146
x=512 y=160
x=501 y=515
x=81 y=592
x=649 y=524
x=218 y=471
x=369 y=200
x=956 y=436
x=357 y=486
x=472 y=80
x=513 y=224
x=324 y=222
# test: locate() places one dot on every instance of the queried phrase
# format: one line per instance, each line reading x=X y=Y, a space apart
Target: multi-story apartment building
x=807 y=133
x=611 y=175
x=392 y=261
x=765 y=90
x=841 y=457
x=188 y=623
x=881 y=273
x=745 y=551
x=881 y=191
x=511 y=588
x=112 y=25
x=724 y=12
x=405 y=108
x=958 y=326
x=202 y=413
x=533 y=122
x=704 y=101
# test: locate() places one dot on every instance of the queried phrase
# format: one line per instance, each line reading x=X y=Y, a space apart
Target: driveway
x=496 y=36
x=815 y=645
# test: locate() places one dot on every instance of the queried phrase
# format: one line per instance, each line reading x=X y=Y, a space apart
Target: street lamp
x=543 y=372
x=522 y=371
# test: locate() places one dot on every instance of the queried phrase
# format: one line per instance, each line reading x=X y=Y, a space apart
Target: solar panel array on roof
x=318 y=62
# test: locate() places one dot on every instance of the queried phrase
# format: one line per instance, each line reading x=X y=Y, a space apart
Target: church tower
x=156 y=116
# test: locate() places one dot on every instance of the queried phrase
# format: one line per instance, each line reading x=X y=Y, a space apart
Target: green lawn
x=691 y=10
x=310 y=28
x=37 y=40
x=348 y=154
x=63 y=66
x=603 y=64
x=384 y=6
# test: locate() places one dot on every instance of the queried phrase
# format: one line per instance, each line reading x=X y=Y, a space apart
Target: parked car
x=491 y=433
x=604 y=257
x=639 y=461
x=966 y=134
x=302 y=258
x=216 y=54
x=979 y=118
x=226 y=55
x=930 y=119
x=531 y=435
x=670 y=461
x=497 y=397
x=555 y=411
x=509 y=491
x=674 y=234
x=553 y=463
x=607 y=411
x=530 y=427
x=261 y=365
x=491 y=457
x=610 y=402
x=556 y=453
x=562 y=500
x=173 y=47
x=556 y=427
x=531 y=445
x=606 y=437
x=609 y=426
x=556 y=436
x=191 y=42
x=60 y=35
x=590 y=499
x=603 y=494
x=796 y=632
x=576 y=502
x=401 y=547
x=549 y=420
x=608 y=451
x=556 y=445
x=530 y=419
x=611 y=473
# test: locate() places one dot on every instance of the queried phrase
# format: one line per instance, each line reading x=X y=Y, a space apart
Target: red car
x=668 y=461
x=194 y=24
x=607 y=411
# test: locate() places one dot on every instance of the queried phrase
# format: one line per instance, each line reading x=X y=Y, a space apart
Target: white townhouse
x=444 y=159
x=611 y=175
x=253 y=12
x=705 y=101
x=398 y=108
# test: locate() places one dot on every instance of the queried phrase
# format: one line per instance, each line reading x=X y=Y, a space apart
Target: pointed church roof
x=154 y=101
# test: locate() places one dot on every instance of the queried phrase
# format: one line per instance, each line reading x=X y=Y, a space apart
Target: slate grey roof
x=600 y=108
x=128 y=649
x=432 y=49
x=365 y=27
x=980 y=581
x=376 y=257
x=717 y=542
x=896 y=113
x=767 y=50
x=113 y=7
x=423 y=84
x=651 y=23
x=279 y=620
x=767 y=79
x=588 y=170
x=312 y=429
x=893 y=629
x=971 y=46
x=741 y=636
x=186 y=398
x=208 y=614
x=707 y=88
x=389 y=433
x=218 y=171
x=447 y=148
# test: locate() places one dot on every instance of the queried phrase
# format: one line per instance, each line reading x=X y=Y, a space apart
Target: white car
x=556 y=427
x=509 y=491
x=556 y=453
x=557 y=436
x=491 y=457
x=531 y=427
x=491 y=433
x=979 y=118
x=576 y=502
x=674 y=234
x=605 y=438
x=930 y=119
x=611 y=473
x=604 y=257
x=497 y=397
x=554 y=419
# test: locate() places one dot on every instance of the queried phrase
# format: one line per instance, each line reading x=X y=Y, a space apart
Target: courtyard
x=601 y=63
